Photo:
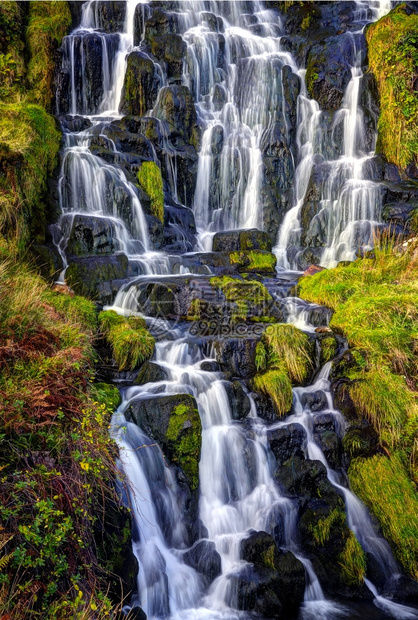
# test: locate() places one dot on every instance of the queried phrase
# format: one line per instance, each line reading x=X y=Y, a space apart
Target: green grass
x=322 y=530
x=283 y=358
x=131 y=343
x=393 y=59
x=242 y=294
x=353 y=561
x=48 y=23
x=151 y=182
x=376 y=309
x=384 y=486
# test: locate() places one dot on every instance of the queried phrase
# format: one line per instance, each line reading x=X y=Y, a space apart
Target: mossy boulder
x=254 y=261
x=150 y=373
x=130 y=341
x=173 y=421
x=140 y=87
x=241 y=241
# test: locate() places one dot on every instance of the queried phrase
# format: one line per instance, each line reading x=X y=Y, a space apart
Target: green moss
x=106 y=394
x=185 y=434
x=131 y=343
x=260 y=356
x=242 y=294
x=328 y=348
x=267 y=557
x=254 y=260
x=383 y=485
x=322 y=530
x=353 y=561
x=151 y=181
x=393 y=59
x=48 y=23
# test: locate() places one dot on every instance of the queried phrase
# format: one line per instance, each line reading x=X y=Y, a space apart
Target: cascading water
x=238 y=71
x=348 y=212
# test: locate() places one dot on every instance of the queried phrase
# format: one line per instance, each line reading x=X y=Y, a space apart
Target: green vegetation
x=393 y=59
x=254 y=260
x=48 y=23
x=184 y=433
x=283 y=358
x=242 y=294
x=376 y=308
x=322 y=530
x=151 y=181
x=385 y=488
x=353 y=561
x=57 y=460
x=29 y=143
x=328 y=348
x=128 y=337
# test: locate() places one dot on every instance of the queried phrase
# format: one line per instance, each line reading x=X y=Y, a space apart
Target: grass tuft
x=131 y=343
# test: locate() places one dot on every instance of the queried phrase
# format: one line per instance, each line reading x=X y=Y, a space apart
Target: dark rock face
x=175 y=106
x=204 y=558
x=238 y=400
x=329 y=71
x=237 y=355
x=140 y=87
x=111 y=15
x=90 y=235
x=235 y=240
x=169 y=49
x=88 y=276
x=274 y=585
x=287 y=442
x=316 y=401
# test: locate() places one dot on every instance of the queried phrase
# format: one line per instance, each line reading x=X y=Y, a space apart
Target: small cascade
x=347 y=211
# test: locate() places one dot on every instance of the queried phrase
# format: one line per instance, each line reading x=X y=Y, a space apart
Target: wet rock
x=316 y=401
x=175 y=106
x=173 y=421
x=274 y=585
x=329 y=70
x=204 y=558
x=91 y=235
x=238 y=400
x=169 y=49
x=324 y=422
x=135 y=613
x=160 y=21
x=210 y=366
x=140 y=87
x=401 y=589
x=237 y=355
x=86 y=275
x=150 y=373
x=110 y=15
x=287 y=441
x=47 y=259
x=400 y=214
x=330 y=445
x=180 y=228
x=74 y=123
x=309 y=256
x=305 y=479
x=236 y=240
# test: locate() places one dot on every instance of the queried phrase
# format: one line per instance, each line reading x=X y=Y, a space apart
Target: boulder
x=140 y=86
x=204 y=558
x=110 y=15
x=237 y=355
x=316 y=401
x=91 y=235
x=150 y=373
x=238 y=400
x=169 y=49
x=176 y=107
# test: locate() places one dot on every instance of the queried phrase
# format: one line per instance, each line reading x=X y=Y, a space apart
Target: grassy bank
x=375 y=303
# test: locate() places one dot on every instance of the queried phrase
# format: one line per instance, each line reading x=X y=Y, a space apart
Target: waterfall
x=348 y=212
x=240 y=72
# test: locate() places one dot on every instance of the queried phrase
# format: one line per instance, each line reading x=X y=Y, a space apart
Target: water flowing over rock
x=261 y=124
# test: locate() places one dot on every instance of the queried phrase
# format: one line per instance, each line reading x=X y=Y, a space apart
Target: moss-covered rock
x=242 y=241
x=175 y=105
x=170 y=49
x=173 y=420
x=140 y=87
x=87 y=276
x=254 y=261
x=128 y=337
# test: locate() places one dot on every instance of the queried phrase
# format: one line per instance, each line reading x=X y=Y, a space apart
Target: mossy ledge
x=151 y=182
x=130 y=341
